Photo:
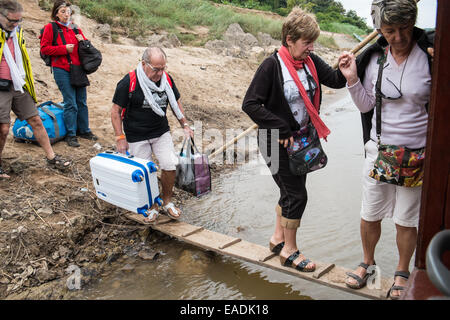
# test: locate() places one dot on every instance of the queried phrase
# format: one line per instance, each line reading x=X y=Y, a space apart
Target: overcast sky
x=426 y=18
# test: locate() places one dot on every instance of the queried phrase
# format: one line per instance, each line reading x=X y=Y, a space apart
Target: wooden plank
x=327 y=274
x=140 y=219
x=137 y=218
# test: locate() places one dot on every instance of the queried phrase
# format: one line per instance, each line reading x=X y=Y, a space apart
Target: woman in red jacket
x=76 y=117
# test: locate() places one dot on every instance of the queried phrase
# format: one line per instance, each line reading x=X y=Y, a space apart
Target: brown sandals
x=403 y=274
x=360 y=282
x=3 y=174
x=59 y=163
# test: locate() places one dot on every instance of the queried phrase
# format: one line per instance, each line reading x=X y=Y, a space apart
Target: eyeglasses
x=399 y=93
x=310 y=80
x=68 y=11
x=156 y=69
x=11 y=20
x=66 y=8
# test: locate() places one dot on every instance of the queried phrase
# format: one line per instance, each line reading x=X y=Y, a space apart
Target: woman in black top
x=283 y=97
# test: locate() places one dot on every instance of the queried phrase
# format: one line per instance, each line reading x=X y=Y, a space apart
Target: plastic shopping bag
x=193 y=173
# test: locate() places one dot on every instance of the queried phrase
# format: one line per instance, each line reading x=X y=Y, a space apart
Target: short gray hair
x=8 y=6
x=396 y=12
x=151 y=52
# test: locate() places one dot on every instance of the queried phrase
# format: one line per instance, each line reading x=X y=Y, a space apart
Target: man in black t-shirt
x=145 y=123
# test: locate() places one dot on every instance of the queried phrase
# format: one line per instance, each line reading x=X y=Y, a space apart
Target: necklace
x=401 y=77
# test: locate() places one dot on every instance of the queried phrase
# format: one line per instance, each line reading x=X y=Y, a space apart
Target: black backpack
x=56 y=30
x=90 y=57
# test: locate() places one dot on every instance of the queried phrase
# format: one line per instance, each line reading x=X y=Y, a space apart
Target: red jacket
x=59 y=52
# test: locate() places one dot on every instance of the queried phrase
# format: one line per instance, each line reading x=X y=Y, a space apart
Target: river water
x=242 y=205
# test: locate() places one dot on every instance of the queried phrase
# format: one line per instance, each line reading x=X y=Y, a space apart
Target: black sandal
x=403 y=274
x=301 y=266
x=276 y=248
x=361 y=282
x=58 y=162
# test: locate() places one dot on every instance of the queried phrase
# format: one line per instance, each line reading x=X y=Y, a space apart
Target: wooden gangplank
x=327 y=274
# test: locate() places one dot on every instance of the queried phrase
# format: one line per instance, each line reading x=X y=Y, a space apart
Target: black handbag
x=5 y=84
x=78 y=77
x=90 y=57
x=306 y=155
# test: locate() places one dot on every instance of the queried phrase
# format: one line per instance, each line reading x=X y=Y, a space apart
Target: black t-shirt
x=141 y=122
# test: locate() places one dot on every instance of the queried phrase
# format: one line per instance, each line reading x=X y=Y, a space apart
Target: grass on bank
x=139 y=17
x=338 y=27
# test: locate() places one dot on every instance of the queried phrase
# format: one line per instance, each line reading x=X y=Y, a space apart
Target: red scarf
x=313 y=110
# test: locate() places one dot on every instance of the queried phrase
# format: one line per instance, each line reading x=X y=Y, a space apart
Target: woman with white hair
x=392 y=77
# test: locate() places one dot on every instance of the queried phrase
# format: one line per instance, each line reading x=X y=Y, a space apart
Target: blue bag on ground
x=52 y=116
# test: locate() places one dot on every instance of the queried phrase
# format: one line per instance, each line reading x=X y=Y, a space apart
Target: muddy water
x=242 y=205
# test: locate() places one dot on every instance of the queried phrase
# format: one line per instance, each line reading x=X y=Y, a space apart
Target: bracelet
x=185 y=124
x=122 y=136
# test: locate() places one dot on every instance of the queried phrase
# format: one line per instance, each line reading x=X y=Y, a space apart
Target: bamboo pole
x=362 y=44
x=358 y=47
x=233 y=141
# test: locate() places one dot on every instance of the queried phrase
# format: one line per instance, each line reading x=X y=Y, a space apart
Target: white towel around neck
x=148 y=86
x=15 y=66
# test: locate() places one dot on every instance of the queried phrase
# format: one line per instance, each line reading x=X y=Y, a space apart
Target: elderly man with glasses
x=140 y=123
x=17 y=91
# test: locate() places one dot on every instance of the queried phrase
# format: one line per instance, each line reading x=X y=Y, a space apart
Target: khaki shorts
x=161 y=147
x=21 y=104
x=383 y=200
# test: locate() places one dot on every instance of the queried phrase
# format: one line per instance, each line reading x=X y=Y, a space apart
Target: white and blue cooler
x=125 y=181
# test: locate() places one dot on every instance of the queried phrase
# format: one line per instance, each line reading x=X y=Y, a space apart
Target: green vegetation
x=249 y=4
x=138 y=17
x=142 y=17
x=327 y=41
x=338 y=27
x=330 y=14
